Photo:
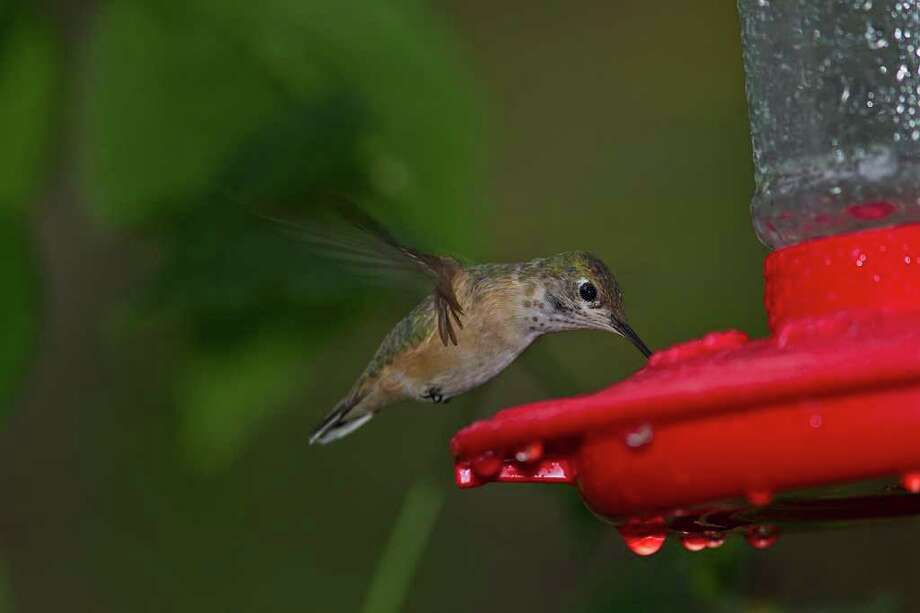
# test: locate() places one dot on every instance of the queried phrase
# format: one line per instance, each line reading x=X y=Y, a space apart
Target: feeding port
x=819 y=423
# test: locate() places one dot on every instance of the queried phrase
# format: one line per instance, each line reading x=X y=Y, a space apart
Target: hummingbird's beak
x=623 y=328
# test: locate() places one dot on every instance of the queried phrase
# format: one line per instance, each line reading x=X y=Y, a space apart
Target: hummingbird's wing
x=376 y=252
x=440 y=268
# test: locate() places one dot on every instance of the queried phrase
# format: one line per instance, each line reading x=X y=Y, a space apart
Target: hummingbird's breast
x=420 y=365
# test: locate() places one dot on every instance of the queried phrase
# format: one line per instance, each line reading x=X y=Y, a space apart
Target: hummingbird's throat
x=547 y=312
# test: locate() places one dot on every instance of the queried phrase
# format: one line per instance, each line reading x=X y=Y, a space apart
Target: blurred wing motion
x=371 y=250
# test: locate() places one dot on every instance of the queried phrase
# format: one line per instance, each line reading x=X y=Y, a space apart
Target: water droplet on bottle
x=761 y=537
x=911 y=482
x=875 y=37
x=694 y=542
x=531 y=453
x=871 y=210
x=760 y=498
x=639 y=436
x=644 y=537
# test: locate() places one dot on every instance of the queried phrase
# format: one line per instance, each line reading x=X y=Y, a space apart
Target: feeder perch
x=725 y=434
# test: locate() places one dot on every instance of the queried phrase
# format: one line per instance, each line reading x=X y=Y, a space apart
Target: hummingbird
x=476 y=320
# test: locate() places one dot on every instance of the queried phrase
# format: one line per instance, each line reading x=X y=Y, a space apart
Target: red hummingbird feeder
x=725 y=434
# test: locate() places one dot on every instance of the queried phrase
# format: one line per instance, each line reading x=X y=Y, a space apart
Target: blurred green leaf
x=213 y=70
x=712 y=575
x=227 y=274
x=408 y=539
x=228 y=394
x=242 y=107
x=170 y=98
x=26 y=89
x=17 y=304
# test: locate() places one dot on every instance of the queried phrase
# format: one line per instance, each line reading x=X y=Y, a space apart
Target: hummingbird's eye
x=587 y=291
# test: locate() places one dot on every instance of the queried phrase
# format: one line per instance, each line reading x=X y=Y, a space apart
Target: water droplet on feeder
x=694 y=542
x=639 y=436
x=762 y=537
x=531 y=453
x=714 y=539
x=487 y=465
x=760 y=498
x=911 y=482
x=644 y=545
x=644 y=537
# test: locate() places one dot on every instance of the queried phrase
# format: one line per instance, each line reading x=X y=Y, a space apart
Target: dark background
x=163 y=355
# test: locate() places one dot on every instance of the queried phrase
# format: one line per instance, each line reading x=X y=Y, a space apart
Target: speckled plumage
x=505 y=308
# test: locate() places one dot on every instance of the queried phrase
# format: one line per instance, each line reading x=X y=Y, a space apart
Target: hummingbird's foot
x=434 y=394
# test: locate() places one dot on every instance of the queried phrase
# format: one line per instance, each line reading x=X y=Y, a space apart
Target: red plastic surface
x=833 y=396
x=876 y=270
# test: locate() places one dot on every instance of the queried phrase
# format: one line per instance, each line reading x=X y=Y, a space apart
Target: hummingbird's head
x=581 y=293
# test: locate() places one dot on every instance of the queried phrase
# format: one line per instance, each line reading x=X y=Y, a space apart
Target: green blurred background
x=163 y=355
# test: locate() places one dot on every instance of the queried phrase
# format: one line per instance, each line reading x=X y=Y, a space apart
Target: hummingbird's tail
x=344 y=419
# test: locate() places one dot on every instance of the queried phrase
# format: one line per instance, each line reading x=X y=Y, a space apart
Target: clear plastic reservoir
x=833 y=90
